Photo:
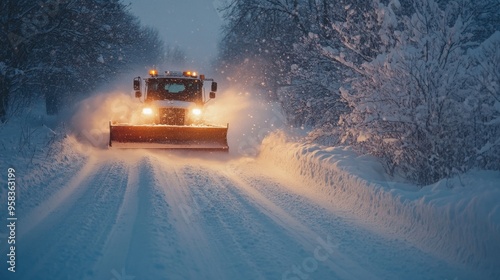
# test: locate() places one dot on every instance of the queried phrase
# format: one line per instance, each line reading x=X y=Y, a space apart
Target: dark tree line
x=412 y=82
x=61 y=49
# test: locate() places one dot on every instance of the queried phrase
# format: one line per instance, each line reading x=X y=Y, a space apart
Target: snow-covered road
x=180 y=215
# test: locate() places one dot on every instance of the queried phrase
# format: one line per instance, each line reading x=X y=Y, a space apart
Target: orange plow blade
x=168 y=137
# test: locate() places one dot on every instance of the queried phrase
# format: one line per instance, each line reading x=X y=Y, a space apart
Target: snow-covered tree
x=418 y=77
x=484 y=107
x=256 y=42
x=414 y=105
x=270 y=44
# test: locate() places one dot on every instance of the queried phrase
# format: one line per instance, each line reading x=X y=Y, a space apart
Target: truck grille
x=172 y=116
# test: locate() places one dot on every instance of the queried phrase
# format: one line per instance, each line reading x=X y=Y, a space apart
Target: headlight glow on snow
x=147 y=111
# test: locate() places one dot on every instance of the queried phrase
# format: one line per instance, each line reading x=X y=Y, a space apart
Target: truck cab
x=175 y=98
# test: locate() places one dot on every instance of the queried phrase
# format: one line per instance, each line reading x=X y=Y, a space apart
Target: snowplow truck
x=172 y=115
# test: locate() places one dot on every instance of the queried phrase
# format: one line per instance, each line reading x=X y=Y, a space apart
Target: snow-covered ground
x=457 y=219
x=289 y=211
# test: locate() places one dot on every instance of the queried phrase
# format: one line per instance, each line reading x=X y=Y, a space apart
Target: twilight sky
x=193 y=25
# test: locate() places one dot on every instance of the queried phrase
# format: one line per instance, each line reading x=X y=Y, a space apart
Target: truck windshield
x=175 y=89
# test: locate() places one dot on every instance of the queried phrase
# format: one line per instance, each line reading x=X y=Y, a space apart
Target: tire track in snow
x=250 y=245
x=116 y=249
x=65 y=240
x=42 y=181
x=308 y=221
x=198 y=259
x=337 y=265
x=143 y=243
x=245 y=241
x=67 y=191
x=358 y=246
x=250 y=241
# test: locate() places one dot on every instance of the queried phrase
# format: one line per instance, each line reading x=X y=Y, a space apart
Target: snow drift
x=461 y=223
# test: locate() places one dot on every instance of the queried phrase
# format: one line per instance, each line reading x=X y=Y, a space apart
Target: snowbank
x=458 y=219
x=36 y=147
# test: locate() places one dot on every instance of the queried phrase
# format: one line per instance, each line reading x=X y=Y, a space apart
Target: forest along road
x=180 y=215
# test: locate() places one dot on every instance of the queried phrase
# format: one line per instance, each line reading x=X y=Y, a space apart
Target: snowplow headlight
x=196 y=112
x=147 y=111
